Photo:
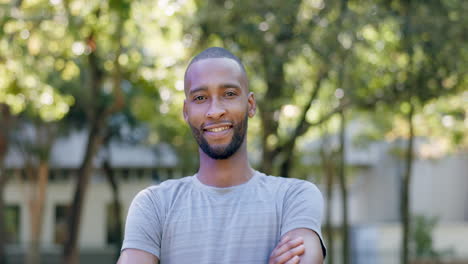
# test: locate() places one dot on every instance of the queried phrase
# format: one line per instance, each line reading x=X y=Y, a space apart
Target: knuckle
x=288 y=254
x=298 y=248
x=280 y=250
x=290 y=244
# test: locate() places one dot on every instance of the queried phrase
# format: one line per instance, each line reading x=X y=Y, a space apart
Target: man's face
x=217 y=105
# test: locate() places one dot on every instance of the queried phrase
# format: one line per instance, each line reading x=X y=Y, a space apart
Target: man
x=227 y=212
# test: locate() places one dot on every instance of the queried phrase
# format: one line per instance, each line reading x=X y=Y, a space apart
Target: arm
x=313 y=247
x=142 y=230
x=130 y=256
x=287 y=251
x=302 y=217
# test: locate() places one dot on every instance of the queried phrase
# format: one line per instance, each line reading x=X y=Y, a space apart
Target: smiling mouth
x=218 y=129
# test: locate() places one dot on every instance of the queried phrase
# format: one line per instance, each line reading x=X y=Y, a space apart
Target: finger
x=294 y=260
x=281 y=249
x=290 y=254
x=287 y=245
x=283 y=240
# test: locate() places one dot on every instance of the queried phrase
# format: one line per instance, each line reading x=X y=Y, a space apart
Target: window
x=113 y=225
x=155 y=175
x=61 y=214
x=125 y=174
x=23 y=174
x=140 y=173
x=170 y=174
x=12 y=223
x=52 y=175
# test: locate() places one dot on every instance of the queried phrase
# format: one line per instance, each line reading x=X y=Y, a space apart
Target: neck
x=232 y=171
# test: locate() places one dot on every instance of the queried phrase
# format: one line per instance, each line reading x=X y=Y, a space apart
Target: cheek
x=240 y=109
x=194 y=115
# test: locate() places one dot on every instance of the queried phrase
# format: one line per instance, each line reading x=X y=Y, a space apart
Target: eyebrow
x=198 y=89
x=230 y=85
x=205 y=88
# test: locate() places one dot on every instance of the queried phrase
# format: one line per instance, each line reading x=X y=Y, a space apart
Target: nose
x=216 y=110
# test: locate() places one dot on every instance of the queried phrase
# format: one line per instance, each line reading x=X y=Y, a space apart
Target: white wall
x=381 y=243
x=440 y=188
x=93 y=229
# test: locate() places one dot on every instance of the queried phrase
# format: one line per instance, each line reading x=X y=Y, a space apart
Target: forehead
x=214 y=71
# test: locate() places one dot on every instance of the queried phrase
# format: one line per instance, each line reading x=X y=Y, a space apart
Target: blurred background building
x=134 y=167
x=439 y=191
x=317 y=68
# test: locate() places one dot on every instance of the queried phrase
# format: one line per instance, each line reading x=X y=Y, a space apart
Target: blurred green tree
x=32 y=97
x=310 y=62
x=5 y=127
x=411 y=65
x=276 y=37
x=128 y=63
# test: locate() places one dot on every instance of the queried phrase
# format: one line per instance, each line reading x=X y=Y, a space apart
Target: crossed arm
x=300 y=245
x=130 y=256
x=296 y=246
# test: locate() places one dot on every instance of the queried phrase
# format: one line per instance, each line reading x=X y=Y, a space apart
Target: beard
x=222 y=152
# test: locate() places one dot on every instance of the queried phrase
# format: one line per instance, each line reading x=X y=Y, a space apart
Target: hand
x=287 y=251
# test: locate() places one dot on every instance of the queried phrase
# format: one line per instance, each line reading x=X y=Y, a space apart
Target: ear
x=185 y=111
x=252 y=104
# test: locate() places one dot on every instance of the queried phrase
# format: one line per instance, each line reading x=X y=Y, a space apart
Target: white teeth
x=218 y=129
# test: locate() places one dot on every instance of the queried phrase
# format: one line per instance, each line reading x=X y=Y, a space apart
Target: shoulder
x=288 y=185
x=165 y=190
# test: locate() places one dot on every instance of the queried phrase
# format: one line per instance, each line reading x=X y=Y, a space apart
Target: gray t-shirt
x=184 y=221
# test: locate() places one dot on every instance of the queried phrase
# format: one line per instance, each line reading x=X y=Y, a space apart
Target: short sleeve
x=143 y=228
x=303 y=208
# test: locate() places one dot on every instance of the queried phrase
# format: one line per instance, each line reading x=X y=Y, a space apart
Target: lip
x=217 y=134
x=217 y=126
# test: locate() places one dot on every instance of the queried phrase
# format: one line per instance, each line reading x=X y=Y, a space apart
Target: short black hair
x=215 y=53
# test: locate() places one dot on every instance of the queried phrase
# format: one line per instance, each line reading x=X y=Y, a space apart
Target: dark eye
x=229 y=94
x=199 y=98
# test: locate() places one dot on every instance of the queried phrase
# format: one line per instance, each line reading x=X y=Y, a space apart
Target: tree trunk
x=37 y=204
x=5 y=127
x=116 y=206
x=95 y=139
x=344 y=191
x=2 y=213
x=405 y=191
x=300 y=129
x=273 y=65
x=329 y=174
x=286 y=165
x=406 y=181
x=98 y=115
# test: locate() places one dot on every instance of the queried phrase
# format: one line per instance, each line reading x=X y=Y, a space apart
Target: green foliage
x=59 y=59
x=362 y=47
x=62 y=37
x=422 y=229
